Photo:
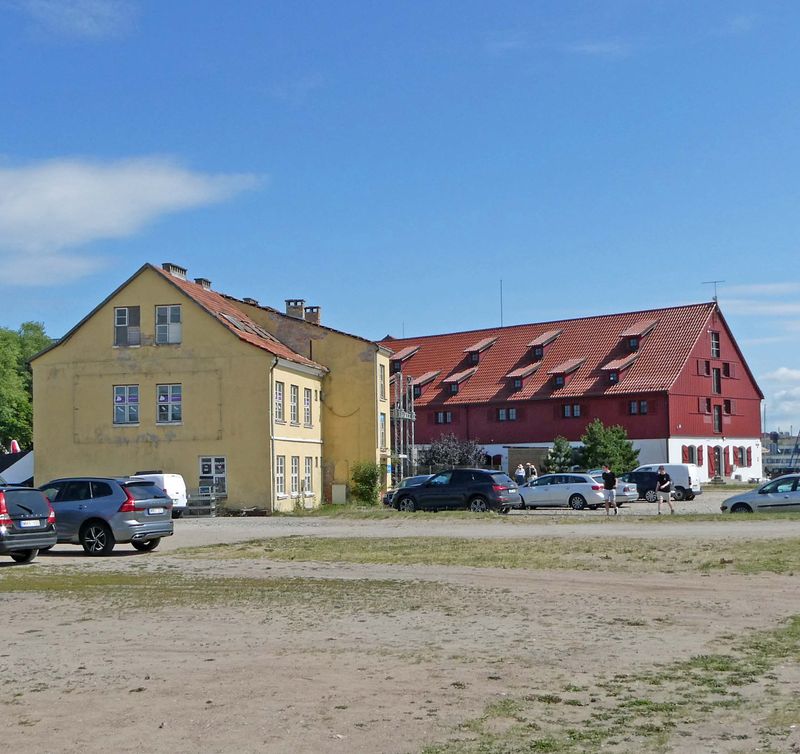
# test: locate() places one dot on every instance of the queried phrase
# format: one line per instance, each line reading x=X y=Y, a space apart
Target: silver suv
x=98 y=512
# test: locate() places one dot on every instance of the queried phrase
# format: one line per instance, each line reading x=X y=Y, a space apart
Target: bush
x=366 y=479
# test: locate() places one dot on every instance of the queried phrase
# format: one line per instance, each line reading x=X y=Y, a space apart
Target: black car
x=27 y=523
x=405 y=482
x=645 y=481
x=474 y=489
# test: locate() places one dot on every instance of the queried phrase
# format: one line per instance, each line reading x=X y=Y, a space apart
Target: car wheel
x=478 y=505
x=741 y=508
x=406 y=504
x=148 y=546
x=97 y=538
x=504 y=511
x=679 y=493
x=650 y=496
x=23 y=556
x=177 y=513
x=577 y=503
x=592 y=507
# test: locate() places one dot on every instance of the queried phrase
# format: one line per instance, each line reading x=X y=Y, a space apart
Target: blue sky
x=392 y=162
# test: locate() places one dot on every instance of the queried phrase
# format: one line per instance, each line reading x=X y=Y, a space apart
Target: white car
x=626 y=491
x=575 y=490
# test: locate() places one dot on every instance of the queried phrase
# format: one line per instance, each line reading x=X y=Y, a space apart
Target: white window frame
x=294 y=401
x=382 y=430
x=502 y=414
x=308 y=476
x=308 y=418
x=512 y=414
x=127 y=398
x=382 y=381
x=294 y=476
x=443 y=417
x=214 y=473
x=168 y=324
x=279 y=393
x=133 y=333
x=716 y=348
x=280 y=476
x=166 y=396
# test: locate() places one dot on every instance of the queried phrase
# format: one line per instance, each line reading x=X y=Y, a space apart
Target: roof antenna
x=714 y=283
x=501 y=302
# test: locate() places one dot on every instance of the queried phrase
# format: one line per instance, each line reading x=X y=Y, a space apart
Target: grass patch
x=642 y=711
x=335 y=597
x=543 y=553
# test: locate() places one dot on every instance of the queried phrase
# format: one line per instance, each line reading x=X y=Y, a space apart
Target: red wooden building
x=674 y=378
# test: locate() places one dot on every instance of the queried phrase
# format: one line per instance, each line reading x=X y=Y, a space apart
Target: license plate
x=154 y=511
x=30 y=523
x=511 y=489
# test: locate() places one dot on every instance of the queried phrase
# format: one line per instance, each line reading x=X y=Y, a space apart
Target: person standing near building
x=530 y=472
x=663 y=489
x=519 y=474
x=610 y=489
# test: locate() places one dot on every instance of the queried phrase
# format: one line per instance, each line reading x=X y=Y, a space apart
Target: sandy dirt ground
x=355 y=658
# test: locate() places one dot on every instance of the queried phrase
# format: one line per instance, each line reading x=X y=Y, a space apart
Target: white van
x=685 y=478
x=172 y=484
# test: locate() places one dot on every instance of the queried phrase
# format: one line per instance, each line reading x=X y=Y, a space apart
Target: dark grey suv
x=99 y=512
x=475 y=489
x=27 y=523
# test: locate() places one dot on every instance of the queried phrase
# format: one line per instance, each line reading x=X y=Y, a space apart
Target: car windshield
x=145 y=491
x=504 y=480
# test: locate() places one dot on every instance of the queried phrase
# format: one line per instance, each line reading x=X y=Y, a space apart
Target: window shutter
x=749 y=456
x=726 y=457
x=685 y=454
x=700 y=455
x=700 y=367
x=712 y=467
x=733 y=407
x=732 y=372
x=701 y=405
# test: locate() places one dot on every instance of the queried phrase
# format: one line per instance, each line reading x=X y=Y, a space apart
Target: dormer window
x=563 y=372
x=519 y=375
x=417 y=391
x=474 y=357
x=613 y=376
x=397 y=359
x=517 y=383
x=540 y=343
x=476 y=349
x=558 y=380
x=454 y=380
x=633 y=344
x=424 y=379
x=453 y=388
x=614 y=368
x=634 y=334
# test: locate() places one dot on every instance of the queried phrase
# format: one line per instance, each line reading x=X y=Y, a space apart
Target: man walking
x=663 y=489
x=610 y=488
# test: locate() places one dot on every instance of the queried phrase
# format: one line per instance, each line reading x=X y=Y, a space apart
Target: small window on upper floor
x=168 y=324
x=613 y=376
x=474 y=357
x=127 y=330
x=538 y=352
x=715 y=349
x=453 y=387
x=517 y=383
x=633 y=344
x=417 y=391
x=559 y=380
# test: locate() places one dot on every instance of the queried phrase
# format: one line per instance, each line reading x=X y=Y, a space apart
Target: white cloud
x=783 y=374
x=606 y=49
x=761 y=307
x=766 y=289
x=53 y=206
x=80 y=18
x=742 y=23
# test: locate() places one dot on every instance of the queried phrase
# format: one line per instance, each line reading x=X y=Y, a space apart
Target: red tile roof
x=544 y=338
x=236 y=320
x=659 y=361
x=460 y=376
x=570 y=365
x=481 y=345
x=637 y=329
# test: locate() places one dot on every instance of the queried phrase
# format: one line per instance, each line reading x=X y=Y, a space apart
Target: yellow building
x=168 y=374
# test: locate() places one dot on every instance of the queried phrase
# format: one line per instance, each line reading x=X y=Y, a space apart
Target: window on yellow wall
x=295 y=476
x=126 y=404
x=169 y=404
x=294 y=399
x=307 y=419
x=168 y=324
x=280 y=475
x=279 y=401
x=382 y=430
x=382 y=381
x=127 y=331
x=308 y=476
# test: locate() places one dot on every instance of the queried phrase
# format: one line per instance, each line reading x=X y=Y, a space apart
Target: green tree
x=366 y=482
x=16 y=390
x=560 y=456
x=449 y=450
x=609 y=445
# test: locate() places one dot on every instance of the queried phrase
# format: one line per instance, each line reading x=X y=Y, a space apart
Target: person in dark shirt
x=663 y=489
x=610 y=489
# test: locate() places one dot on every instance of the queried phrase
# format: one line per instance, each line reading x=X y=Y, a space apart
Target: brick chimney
x=313 y=314
x=203 y=282
x=174 y=269
x=294 y=307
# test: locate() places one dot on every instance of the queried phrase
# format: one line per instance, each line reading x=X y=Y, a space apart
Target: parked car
x=685 y=478
x=27 y=522
x=645 y=482
x=626 y=491
x=405 y=482
x=172 y=484
x=575 y=490
x=99 y=512
x=475 y=489
x=781 y=494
